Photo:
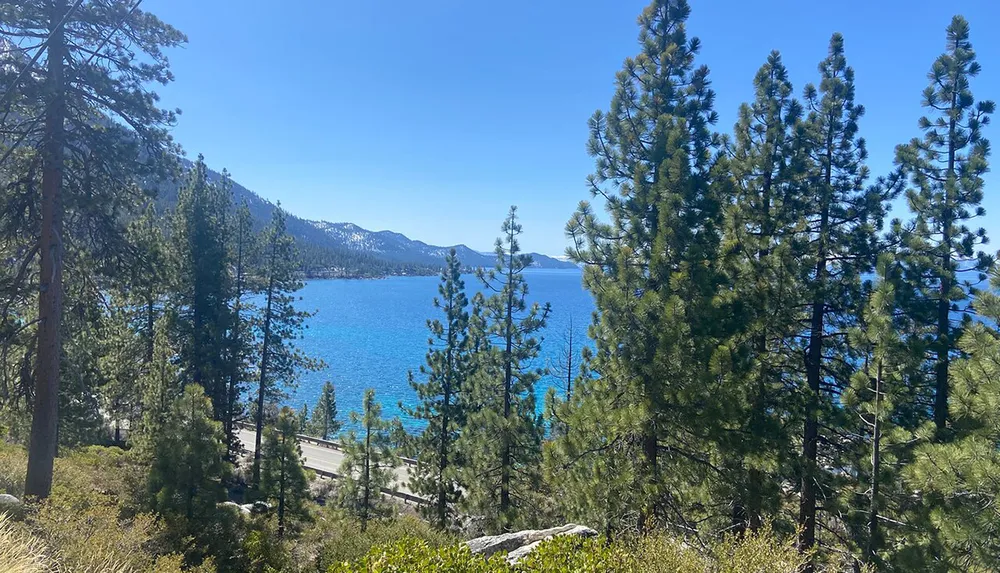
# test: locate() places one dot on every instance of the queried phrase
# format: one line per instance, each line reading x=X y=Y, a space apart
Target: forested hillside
x=780 y=376
x=344 y=249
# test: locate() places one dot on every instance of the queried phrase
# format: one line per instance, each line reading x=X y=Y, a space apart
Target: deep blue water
x=370 y=333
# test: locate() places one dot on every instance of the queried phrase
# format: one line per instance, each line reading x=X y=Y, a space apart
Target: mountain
x=345 y=249
x=399 y=248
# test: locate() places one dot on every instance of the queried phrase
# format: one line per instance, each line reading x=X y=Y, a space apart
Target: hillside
x=345 y=249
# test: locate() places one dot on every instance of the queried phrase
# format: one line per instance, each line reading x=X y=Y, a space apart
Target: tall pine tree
x=96 y=62
x=651 y=269
x=945 y=170
x=441 y=400
x=203 y=285
x=503 y=432
x=280 y=324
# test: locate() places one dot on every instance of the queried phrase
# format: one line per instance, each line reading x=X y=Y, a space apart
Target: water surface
x=370 y=333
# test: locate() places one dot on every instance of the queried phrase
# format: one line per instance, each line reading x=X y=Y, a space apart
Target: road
x=328 y=459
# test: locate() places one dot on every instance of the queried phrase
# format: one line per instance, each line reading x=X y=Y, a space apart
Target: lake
x=370 y=333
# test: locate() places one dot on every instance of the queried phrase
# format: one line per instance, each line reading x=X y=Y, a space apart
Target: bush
x=416 y=556
x=90 y=523
x=336 y=538
x=13 y=466
x=763 y=552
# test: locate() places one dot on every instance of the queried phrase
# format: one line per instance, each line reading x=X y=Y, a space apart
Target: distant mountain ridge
x=346 y=249
x=398 y=247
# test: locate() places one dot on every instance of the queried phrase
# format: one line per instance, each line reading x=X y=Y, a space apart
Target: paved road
x=329 y=459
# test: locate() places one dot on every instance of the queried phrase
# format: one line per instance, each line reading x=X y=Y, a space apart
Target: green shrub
x=91 y=522
x=13 y=466
x=762 y=552
x=416 y=556
x=336 y=538
x=564 y=554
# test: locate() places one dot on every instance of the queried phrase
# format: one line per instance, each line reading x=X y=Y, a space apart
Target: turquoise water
x=370 y=333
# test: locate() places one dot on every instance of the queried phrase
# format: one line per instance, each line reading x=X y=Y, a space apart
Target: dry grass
x=20 y=552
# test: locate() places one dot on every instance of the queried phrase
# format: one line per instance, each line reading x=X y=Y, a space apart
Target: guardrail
x=324 y=443
x=409 y=497
x=390 y=492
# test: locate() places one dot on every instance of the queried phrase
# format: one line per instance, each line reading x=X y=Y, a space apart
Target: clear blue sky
x=431 y=118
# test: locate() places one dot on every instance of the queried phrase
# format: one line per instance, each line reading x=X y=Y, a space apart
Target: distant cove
x=371 y=333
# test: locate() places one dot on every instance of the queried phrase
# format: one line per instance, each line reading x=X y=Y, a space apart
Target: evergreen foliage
x=202 y=285
x=283 y=478
x=324 y=423
x=501 y=440
x=280 y=325
x=185 y=478
x=369 y=462
x=76 y=171
x=637 y=426
x=449 y=363
x=945 y=170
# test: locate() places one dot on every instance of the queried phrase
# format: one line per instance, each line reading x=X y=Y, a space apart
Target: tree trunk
x=281 y=488
x=442 y=501
x=506 y=461
x=232 y=394
x=367 y=476
x=45 y=416
x=941 y=388
x=264 y=359
x=872 y=550
x=814 y=366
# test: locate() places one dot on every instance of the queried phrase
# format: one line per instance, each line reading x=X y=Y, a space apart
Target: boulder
x=260 y=507
x=12 y=506
x=235 y=507
x=520 y=543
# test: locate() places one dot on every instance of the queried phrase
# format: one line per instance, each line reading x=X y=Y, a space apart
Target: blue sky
x=431 y=118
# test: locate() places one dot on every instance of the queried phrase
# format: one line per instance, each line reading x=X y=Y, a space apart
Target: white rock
x=11 y=506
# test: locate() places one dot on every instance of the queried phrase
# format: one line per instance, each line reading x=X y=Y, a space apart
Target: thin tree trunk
x=506 y=461
x=814 y=367
x=366 y=478
x=281 y=488
x=264 y=358
x=944 y=296
x=872 y=550
x=45 y=416
x=442 y=501
x=231 y=392
x=569 y=363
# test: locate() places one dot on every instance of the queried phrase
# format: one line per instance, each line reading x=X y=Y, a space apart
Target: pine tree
x=957 y=480
x=324 y=423
x=283 y=478
x=99 y=58
x=185 y=478
x=652 y=270
x=436 y=476
x=945 y=170
x=245 y=253
x=502 y=434
x=876 y=388
x=281 y=324
x=160 y=386
x=203 y=285
x=369 y=462
x=302 y=419
x=843 y=215
x=762 y=253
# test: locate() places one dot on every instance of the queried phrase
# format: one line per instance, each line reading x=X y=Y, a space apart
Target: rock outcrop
x=520 y=543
